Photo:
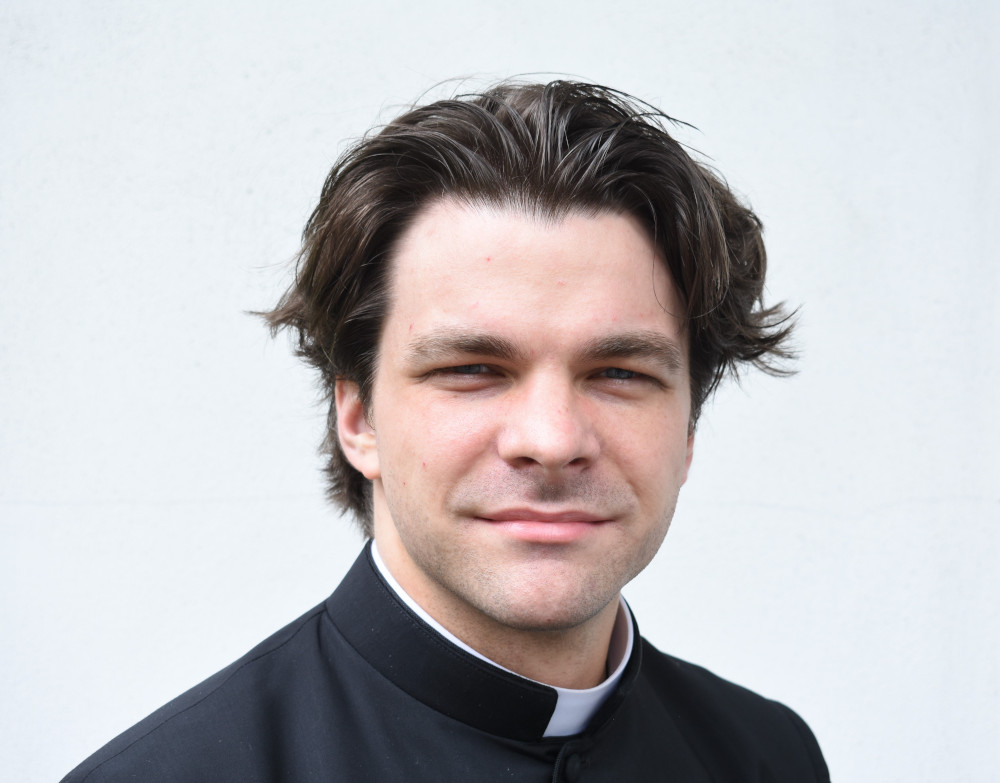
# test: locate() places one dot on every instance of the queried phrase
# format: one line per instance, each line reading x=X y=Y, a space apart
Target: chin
x=540 y=622
x=537 y=608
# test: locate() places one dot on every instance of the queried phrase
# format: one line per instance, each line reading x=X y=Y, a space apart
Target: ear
x=356 y=435
x=690 y=453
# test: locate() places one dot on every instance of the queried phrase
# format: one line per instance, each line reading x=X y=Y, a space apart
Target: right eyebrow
x=445 y=344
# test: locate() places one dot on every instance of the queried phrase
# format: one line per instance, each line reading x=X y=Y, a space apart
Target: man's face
x=529 y=425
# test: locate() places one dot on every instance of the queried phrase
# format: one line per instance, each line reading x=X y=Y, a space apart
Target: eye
x=467 y=369
x=464 y=374
x=618 y=374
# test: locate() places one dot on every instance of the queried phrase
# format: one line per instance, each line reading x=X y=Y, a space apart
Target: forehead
x=546 y=280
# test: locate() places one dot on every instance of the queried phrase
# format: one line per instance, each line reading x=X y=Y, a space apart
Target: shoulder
x=208 y=732
x=731 y=725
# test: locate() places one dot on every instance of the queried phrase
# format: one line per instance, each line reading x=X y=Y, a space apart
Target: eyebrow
x=637 y=345
x=444 y=344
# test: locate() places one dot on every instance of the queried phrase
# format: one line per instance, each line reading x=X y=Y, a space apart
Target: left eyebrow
x=631 y=345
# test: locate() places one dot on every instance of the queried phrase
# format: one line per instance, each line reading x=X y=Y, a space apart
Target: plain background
x=162 y=508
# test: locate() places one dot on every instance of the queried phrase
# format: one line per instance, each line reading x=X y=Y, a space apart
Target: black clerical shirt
x=361 y=689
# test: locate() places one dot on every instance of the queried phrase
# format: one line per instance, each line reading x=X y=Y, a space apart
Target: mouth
x=540 y=527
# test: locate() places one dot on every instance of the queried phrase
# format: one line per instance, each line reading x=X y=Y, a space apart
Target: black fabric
x=360 y=689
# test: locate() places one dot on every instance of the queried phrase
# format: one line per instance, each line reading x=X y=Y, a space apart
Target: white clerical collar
x=574 y=708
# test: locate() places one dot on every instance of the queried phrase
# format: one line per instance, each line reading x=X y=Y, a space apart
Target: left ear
x=355 y=433
x=690 y=453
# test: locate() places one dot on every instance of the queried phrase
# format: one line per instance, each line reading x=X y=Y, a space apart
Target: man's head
x=545 y=152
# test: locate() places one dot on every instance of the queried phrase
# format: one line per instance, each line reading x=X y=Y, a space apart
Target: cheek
x=653 y=456
x=434 y=441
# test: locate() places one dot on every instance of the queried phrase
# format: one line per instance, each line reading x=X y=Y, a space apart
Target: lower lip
x=545 y=532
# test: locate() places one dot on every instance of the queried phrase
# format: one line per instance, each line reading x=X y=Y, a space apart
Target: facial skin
x=529 y=427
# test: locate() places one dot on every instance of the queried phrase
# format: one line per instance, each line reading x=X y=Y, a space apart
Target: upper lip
x=534 y=515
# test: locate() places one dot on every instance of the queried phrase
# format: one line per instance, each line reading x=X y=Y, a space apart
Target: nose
x=548 y=423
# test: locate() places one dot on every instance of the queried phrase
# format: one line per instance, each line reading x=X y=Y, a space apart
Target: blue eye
x=618 y=374
x=469 y=369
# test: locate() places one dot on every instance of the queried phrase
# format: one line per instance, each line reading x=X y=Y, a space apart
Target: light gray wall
x=837 y=545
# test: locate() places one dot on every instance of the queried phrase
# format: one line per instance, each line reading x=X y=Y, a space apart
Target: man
x=518 y=303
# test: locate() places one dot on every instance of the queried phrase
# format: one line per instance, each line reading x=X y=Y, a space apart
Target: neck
x=567 y=658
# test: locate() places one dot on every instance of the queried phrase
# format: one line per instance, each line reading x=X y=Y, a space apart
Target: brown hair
x=546 y=149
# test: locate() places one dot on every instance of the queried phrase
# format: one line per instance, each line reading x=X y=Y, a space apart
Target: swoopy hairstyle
x=544 y=149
